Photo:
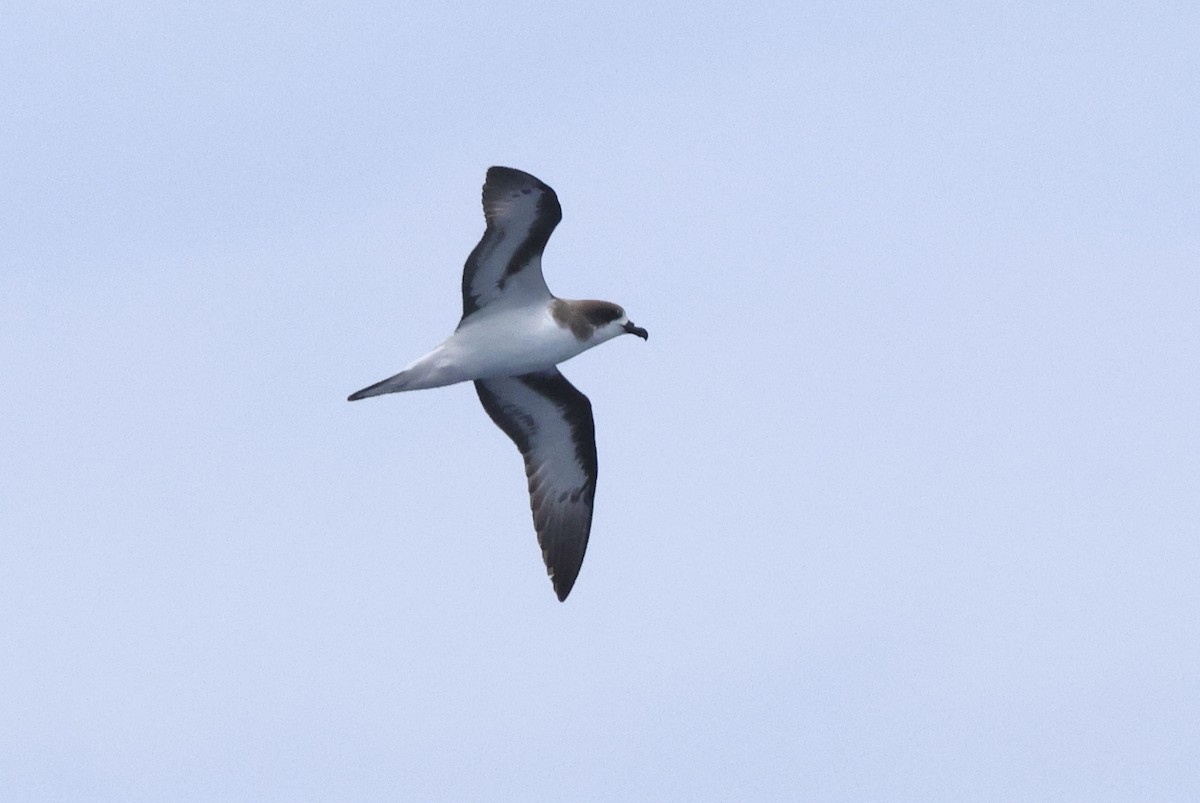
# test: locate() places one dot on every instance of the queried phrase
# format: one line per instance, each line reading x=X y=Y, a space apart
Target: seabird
x=513 y=334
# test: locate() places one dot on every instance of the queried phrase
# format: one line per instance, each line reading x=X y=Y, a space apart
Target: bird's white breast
x=510 y=342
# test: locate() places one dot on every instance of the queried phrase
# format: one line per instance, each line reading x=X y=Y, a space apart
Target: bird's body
x=512 y=335
x=509 y=341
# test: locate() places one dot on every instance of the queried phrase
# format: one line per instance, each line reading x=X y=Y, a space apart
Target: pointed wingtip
x=564 y=581
x=500 y=173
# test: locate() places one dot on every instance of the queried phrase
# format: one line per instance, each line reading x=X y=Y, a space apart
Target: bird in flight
x=513 y=334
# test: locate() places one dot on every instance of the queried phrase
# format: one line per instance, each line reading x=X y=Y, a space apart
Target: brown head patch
x=584 y=317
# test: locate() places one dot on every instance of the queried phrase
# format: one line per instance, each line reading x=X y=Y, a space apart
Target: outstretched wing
x=521 y=213
x=551 y=423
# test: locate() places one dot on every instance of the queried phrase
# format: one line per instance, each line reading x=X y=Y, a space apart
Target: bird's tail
x=393 y=384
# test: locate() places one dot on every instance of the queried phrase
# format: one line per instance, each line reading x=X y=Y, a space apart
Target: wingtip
x=495 y=171
x=563 y=582
x=501 y=176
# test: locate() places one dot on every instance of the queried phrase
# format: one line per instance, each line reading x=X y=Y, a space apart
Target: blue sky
x=899 y=501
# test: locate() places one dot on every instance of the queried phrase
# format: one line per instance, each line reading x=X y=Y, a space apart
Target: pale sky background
x=900 y=501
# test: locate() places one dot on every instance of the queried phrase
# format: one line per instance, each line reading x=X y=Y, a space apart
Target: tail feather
x=393 y=384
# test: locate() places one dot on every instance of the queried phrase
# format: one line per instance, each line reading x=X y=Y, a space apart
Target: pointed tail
x=393 y=384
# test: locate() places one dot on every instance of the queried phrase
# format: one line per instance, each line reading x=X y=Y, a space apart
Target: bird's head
x=609 y=320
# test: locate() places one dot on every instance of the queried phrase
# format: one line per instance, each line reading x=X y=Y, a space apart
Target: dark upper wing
x=521 y=212
x=551 y=423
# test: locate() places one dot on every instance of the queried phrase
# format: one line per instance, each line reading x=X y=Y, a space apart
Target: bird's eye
x=601 y=314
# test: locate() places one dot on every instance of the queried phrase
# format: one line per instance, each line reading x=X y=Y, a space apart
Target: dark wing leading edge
x=521 y=213
x=551 y=423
